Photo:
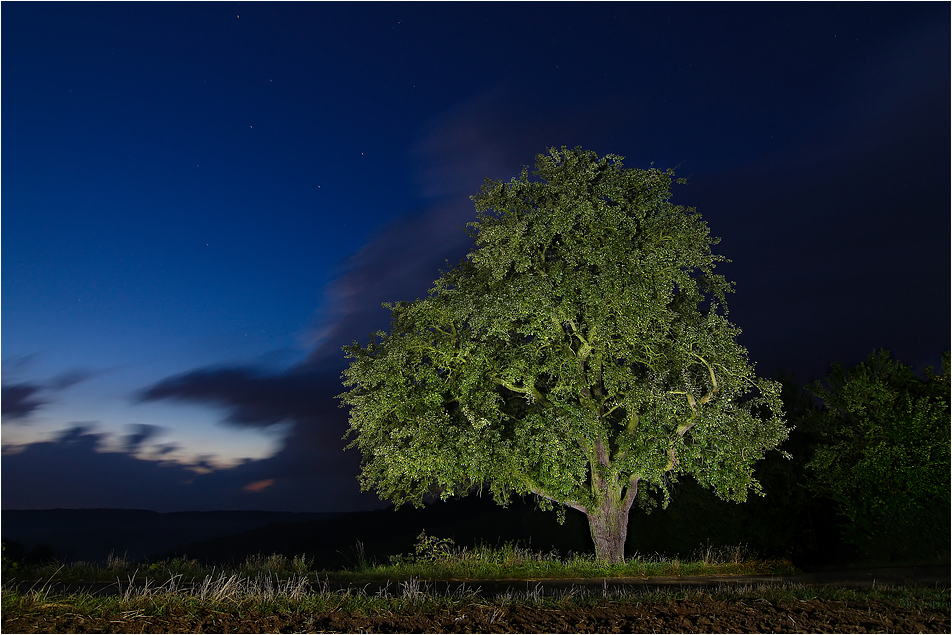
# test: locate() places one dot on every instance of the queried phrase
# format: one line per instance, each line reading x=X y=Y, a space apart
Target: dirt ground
x=703 y=614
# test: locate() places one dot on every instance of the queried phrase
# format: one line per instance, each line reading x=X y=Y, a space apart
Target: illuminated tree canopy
x=581 y=352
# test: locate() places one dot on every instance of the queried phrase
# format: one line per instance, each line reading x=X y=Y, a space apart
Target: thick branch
x=714 y=386
x=538 y=490
x=598 y=466
x=672 y=459
x=585 y=348
x=601 y=453
x=632 y=492
x=629 y=429
x=452 y=332
x=531 y=390
x=612 y=409
x=693 y=403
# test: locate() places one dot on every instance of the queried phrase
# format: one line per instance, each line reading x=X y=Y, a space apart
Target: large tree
x=581 y=352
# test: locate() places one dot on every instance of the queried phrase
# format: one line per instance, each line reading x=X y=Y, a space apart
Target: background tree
x=581 y=353
x=883 y=457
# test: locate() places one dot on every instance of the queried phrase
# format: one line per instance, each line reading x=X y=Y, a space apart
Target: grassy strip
x=120 y=569
x=435 y=559
x=278 y=594
x=264 y=595
x=513 y=562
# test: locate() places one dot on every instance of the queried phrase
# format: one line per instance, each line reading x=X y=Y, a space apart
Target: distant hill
x=332 y=540
x=696 y=519
x=774 y=525
x=92 y=534
x=375 y=535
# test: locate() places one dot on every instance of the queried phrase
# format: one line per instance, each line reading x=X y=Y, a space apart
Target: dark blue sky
x=203 y=202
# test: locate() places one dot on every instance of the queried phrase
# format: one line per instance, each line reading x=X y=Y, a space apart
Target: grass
x=230 y=593
x=119 y=568
x=440 y=559
x=434 y=559
x=183 y=593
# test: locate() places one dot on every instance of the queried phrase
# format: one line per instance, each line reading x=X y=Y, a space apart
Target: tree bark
x=609 y=527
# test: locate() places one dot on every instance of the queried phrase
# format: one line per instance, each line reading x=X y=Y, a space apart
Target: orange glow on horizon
x=258 y=486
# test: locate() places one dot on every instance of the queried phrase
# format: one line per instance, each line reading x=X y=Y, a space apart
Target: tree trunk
x=609 y=526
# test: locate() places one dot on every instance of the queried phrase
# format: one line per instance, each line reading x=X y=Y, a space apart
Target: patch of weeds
x=178 y=567
x=433 y=549
x=117 y=563
x=276 y=564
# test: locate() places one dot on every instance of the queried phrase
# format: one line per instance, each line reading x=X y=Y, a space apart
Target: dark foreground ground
x=754 y=604
x=700 y=614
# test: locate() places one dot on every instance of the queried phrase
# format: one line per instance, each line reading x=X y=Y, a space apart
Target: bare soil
x=701 y=611
x=701 y=614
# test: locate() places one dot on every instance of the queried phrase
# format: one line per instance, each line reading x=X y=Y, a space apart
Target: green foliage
x=884 y=456
x=433 y=549
x=581 y=352
x=10 y=565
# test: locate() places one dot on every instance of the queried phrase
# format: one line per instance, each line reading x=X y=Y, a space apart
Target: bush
x=10 y=565
x=883 y=458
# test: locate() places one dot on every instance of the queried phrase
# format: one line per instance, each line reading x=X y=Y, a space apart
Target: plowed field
x=703 y=614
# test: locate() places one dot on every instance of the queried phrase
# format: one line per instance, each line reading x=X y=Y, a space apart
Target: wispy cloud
x=22 y=399
x=491 y=135
x=250 y=398
x=141 y=432
x=72 y=471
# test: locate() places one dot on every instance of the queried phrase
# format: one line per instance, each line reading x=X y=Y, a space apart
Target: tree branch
x=612 y=409
x=694 y=402
x=672 y=459
x=531 y=390
x=632 y=492
x=451 y=333
x=629 y=429
x=538 y=490
x=714 y=386
x=601 y=453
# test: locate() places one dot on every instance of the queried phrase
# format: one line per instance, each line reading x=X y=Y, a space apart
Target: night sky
x=201 y=203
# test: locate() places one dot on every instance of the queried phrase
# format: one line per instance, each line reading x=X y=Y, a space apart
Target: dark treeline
x=866 y=481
